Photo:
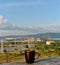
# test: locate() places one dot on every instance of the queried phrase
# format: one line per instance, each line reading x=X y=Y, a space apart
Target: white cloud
x=14 y=32
x=4 y=23
x=6 y=28
x=44 y=28
x=38 y=2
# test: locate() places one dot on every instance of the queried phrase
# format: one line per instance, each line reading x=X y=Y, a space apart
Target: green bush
x=26 y=46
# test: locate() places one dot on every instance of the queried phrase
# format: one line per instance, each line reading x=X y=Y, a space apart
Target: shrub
x=26 y=46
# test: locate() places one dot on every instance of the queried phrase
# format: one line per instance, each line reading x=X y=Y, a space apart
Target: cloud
x=6 y=28
x=14 y=32
x=5 y=24
x=23 y=4
x=44 y=28
x=3 y=21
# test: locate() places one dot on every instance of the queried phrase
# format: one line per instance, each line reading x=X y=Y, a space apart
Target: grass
x=19 y=56
x=43 y=51
x=11 y=56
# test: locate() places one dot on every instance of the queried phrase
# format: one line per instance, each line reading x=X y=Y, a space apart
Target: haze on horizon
x=25 y=17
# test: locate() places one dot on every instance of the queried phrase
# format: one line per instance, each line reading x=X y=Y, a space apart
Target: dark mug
x=30 y=56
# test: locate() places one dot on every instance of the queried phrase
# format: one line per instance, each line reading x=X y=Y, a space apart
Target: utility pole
x=1 y=46
x=15 y=44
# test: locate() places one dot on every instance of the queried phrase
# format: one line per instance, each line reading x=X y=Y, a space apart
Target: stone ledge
x=44 y=61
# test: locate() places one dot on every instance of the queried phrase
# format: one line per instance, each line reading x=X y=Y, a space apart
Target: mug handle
x=38 y=55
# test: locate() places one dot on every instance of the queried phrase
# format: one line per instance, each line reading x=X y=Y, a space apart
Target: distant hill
x=48 y=35
x=42 y=36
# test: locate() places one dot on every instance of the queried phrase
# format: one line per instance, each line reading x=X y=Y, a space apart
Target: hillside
x=42 y=35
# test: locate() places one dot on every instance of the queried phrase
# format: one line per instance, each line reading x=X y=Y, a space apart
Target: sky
x=22 y=17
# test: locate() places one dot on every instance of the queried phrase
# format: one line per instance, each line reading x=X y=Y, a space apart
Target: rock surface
x=46 y=61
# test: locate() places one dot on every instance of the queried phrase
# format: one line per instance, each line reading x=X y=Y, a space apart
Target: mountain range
x=41 y=35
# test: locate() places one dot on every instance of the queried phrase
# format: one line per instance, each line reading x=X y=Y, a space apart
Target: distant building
x=31 y=42
x=38 y=40
x=49 y=42
x=31 y=39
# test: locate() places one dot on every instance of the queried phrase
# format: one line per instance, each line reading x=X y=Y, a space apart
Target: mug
x=30 y=56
